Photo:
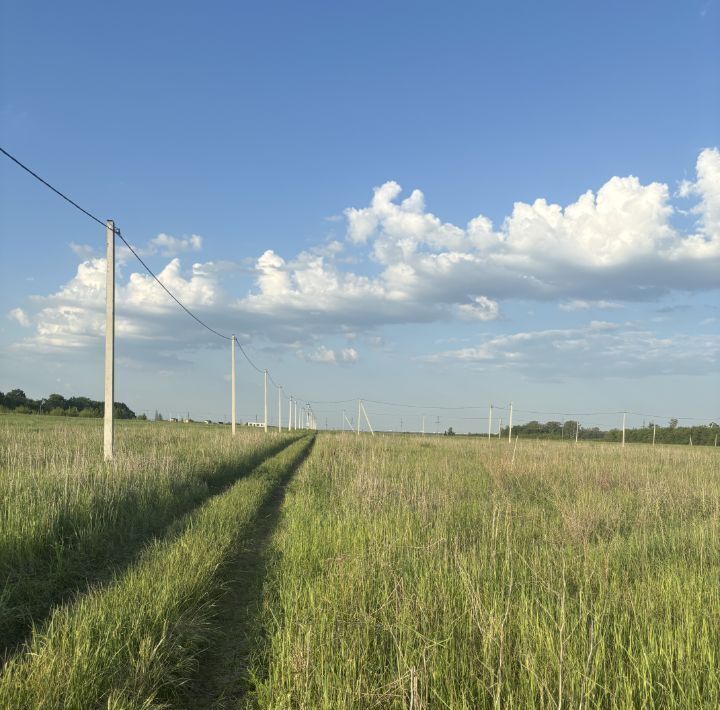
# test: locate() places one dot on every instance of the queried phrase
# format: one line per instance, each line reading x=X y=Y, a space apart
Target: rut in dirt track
x=113 y=554
x=222 y=678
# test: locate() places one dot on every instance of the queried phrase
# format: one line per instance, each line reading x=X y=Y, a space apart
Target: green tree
x=56 y=401
x=15 y=398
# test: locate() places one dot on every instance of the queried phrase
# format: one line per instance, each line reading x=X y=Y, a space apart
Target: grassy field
x=67 y=520
x=355 y=572
x=459 y=574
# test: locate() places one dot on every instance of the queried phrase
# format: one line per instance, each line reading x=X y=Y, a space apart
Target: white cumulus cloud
x=707 y=188
x=481 y=308
x=400 y=263
x=597 y=349
x=19 y=315
x=167 y=245
x=579 y=304
x=325 y=355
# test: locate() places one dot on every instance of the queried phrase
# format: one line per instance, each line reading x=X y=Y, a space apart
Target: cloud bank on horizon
x=621 y=244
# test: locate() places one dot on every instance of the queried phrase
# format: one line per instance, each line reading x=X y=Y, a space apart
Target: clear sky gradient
x=264 y=129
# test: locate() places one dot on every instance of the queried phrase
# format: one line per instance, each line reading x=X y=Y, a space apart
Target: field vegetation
x=68 y=520
x=344 y=571
x=673 y=433
x=462 y=573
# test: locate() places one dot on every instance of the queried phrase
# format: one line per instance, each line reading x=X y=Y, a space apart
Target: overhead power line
x=260 y=370
x=54 y=189
x=124 y=241
x=423 y=406
x=247 y=357
x=170 y=293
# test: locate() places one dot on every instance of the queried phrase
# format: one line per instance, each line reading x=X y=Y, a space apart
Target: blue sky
x=267 y=127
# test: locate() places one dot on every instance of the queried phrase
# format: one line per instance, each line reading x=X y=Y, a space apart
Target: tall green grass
x=135 y=643
x=454 y=573
x=67 y=519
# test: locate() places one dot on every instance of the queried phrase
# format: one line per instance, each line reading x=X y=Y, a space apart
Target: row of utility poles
x=299 y=417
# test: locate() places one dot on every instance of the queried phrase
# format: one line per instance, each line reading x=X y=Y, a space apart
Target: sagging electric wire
x=118 y=234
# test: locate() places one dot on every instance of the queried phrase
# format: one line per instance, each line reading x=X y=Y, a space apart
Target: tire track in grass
x=222 y=679
x=136 y=643
x=80 y=559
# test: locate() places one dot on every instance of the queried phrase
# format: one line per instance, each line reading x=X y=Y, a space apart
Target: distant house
x=173 y=419
x=206 y=421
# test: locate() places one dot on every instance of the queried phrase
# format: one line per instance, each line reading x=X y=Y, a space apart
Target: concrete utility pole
x=290 y=413
x=109 y=423
x=577 y=431
x=233 y=414
x=266 y=411
x=343 y=421
x=499 y=427
x=623 y=436
x=490 y=421
x=510 y=426
x=280 y=410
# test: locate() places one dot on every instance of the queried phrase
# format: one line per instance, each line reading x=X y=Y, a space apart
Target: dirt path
x=222 y=679
x=92 y=562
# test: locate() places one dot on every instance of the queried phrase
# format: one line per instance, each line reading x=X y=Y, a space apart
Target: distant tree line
x=703 y=434
x=57 y=405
